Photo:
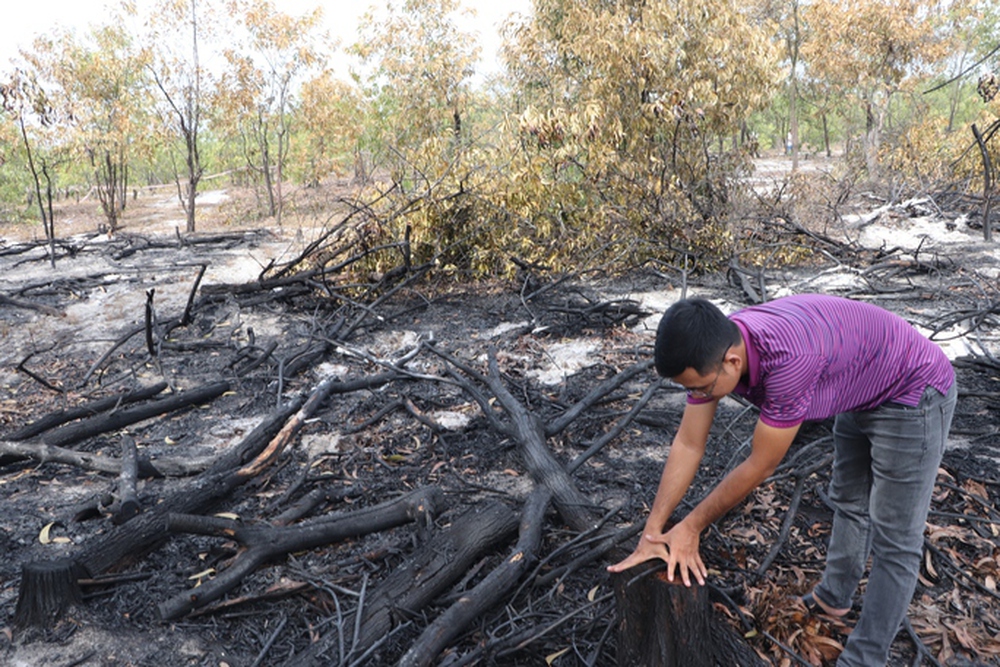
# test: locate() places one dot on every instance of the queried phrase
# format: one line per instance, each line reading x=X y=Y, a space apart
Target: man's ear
x=734 y=358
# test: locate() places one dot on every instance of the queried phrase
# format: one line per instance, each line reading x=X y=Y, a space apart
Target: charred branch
x=86 y=410
x=128 y=498
x=265 y=543
x=424 y=576
x=92 y=426
x=160 y=467
x=490 y=591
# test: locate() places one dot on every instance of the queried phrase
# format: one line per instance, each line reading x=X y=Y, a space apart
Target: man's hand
x=682 y=543
x=677 y=547
x=647 y=549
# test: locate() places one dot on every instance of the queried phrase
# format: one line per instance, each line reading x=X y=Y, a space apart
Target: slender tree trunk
x=36 y=179
x=194 y=118
x=793 y=87
x=988 y=174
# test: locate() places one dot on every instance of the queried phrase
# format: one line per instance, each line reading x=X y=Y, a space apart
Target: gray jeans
x=886 y=461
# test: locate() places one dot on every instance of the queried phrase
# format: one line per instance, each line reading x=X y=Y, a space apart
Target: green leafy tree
x=624 y=105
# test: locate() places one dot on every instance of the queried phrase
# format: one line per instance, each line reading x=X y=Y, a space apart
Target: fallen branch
x=421 y=578
x=460 y=615
x=265 y=543
x=42 y=453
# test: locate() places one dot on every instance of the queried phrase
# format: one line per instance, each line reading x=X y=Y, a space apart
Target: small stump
x=662 y=624
x=48 y=589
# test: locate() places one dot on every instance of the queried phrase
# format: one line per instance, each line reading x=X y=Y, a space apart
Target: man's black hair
x=693 y=333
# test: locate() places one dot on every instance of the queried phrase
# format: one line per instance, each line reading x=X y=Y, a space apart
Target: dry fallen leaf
x=549 y=659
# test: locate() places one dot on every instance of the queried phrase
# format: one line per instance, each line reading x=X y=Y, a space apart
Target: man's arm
x=682 y=463
x=769 y=446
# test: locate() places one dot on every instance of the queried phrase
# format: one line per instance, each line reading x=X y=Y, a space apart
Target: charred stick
x=957 y=574
x=786 y=526
x=605 y=544
x=126 y=337
x=596 y=394
x=319 y=394
x=270 y=642
x=264 y=356
x=793 y=508
x=36 y=377
x=27 y=305
x=375 y=418
x=150 y=324
x=110 y=403
x=186 y=316
x=620 y=426
x=314 y=499
x=923 y=653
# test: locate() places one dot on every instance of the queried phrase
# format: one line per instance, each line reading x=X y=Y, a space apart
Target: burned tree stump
x=54 y=587
x=664 y=624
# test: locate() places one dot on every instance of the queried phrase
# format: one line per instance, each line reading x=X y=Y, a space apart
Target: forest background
x=613 y=133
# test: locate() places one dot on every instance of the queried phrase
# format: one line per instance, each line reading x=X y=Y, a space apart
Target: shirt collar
x=753 y=361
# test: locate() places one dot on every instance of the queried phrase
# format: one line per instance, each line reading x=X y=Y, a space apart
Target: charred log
x=72 y=433
x=460 y=615
x=423 y=577
x=127 y=506
x=87 y=410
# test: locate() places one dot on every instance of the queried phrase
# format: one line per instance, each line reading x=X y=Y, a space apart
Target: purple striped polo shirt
x=813 y=356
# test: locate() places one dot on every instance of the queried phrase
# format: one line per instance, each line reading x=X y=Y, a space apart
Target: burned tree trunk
x=662 y=623
x=52 y=589
x=668 y=624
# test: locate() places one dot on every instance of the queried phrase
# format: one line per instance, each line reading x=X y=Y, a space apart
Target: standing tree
x=329 y=139
x=102 y=83
x=870 y=51
x=42 y=130
x=256 y=95
x=418 y=105
x=623 y=104
x=172 y=38
x=418 y=86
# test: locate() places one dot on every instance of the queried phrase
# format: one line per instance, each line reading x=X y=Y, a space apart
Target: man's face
x=715 y=383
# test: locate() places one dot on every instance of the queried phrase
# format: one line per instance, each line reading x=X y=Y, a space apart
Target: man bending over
x=810 y=357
